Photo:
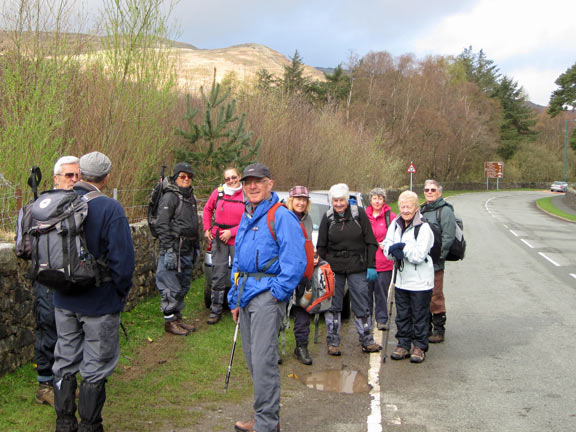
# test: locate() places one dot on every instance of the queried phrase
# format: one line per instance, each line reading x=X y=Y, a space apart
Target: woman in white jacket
x=409 y=241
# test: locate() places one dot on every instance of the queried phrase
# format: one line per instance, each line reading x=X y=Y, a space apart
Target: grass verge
x=162 y=381
x=547 y=205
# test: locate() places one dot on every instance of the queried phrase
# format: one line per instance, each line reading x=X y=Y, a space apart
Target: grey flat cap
x=95 y=164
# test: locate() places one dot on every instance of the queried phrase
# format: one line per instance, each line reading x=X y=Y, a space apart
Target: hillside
x=196 y=66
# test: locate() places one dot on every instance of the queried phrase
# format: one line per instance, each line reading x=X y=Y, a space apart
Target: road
x=509 y=357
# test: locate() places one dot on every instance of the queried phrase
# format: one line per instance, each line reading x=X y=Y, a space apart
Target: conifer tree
x=220 y=141
x=564 y=98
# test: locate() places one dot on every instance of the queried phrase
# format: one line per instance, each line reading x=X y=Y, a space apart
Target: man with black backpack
x=66 y=172
x=88 y=315
x=440 y=213
x=177 y=229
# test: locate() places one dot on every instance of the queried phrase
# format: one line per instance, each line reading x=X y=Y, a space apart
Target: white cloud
x=530 y=41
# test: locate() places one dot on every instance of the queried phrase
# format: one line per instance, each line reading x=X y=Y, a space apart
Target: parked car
x=558 y=186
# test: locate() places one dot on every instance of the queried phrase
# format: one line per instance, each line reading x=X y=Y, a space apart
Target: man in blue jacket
x=267 y=272
x=88 y=322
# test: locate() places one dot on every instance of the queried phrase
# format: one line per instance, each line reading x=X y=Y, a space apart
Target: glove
x=170 y=261
x=397 y=251
x=371 y=274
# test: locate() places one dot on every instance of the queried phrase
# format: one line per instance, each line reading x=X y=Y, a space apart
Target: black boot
x=65 y=404
x=90 y=404
x=438 y=323
x=302 y=354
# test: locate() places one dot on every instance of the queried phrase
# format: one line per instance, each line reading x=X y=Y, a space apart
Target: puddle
x=340 y=381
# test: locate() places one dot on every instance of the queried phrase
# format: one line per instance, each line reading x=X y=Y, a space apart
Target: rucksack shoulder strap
x=387 y=218
x=270 y=217
x=91 y=195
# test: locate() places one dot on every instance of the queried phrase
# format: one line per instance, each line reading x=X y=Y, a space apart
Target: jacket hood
x=370 y=210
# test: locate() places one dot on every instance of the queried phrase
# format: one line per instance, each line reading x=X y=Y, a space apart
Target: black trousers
x=412 y=316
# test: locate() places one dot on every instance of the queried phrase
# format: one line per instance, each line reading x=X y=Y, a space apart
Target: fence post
x=18 y=197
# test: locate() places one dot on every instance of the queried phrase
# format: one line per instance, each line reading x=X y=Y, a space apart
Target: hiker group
x=82 y=262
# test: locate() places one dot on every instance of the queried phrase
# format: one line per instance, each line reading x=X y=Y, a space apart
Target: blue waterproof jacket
x=255 y=247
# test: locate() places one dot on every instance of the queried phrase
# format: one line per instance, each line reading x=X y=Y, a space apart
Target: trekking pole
x=34 y=180
x=162 y=172
x=229 y=371
x=391 y=302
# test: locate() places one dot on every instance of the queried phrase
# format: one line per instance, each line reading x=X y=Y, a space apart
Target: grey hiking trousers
x=88 y=344
x=222 y=254
x=260 y=322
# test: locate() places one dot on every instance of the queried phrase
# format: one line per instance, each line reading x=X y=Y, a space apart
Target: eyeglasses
x=69 y=175
x=231 y=178
x=430 y=190
x=255 y=182
x=185 y=177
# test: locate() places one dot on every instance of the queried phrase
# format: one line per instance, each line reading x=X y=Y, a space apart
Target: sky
x=531 y=41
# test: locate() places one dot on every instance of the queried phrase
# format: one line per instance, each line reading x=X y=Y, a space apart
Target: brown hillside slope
x=196 y=66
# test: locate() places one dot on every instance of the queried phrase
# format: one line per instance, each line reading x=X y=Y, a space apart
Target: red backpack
x=308 y=245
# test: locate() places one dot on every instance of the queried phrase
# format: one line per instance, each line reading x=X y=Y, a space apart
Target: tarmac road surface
x=508 y=362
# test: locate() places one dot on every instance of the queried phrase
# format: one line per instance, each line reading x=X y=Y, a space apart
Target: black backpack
x=155 y=197
x=436 y=250
x=60 y=256
x=458 y=247
x=23 y=239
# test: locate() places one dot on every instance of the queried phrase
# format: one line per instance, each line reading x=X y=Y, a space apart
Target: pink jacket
x=379 y=228
x=226 y=213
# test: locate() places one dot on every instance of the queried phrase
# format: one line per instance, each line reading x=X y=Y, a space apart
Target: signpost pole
x=410 y=181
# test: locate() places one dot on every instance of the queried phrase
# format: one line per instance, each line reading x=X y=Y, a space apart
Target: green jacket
x=447 y=225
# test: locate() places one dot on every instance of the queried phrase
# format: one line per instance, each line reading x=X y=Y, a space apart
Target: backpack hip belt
x=224 y=226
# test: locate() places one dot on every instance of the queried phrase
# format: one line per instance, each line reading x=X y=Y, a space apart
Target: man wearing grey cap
x=266 y=271
x=88 y=322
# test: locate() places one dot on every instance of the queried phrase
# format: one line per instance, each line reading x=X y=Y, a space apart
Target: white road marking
x=549 y=259
x=573 y=275
x=374 y=420
x=513 y=232
x=527 y=244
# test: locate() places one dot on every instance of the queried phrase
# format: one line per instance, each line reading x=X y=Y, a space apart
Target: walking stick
x=229 y=371
x=231 y=356
x=391 y=303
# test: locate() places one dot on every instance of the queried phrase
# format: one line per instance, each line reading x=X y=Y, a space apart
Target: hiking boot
x=370 y=348
x=400 y=353
x=213 y=318
x=188 y=327
x=334 y=350
x=382 y=326
x=174 y=328
x=417 y=355
x=438 y=322
x=302 y=354
x=45 y=394
x=248 y=426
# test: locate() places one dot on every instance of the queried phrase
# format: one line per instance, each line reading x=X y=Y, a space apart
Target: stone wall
x=16 y=297
x=570 y=197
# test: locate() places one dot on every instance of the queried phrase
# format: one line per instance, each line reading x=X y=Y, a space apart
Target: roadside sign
x=494 y=170
x=411 y=169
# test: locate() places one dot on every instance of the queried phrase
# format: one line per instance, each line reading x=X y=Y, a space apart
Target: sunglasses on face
x=231 y=178
x=185 y=177
x=430 y=190
x=69 y=175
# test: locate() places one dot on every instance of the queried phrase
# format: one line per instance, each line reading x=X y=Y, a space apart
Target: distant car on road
x=558 y=186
